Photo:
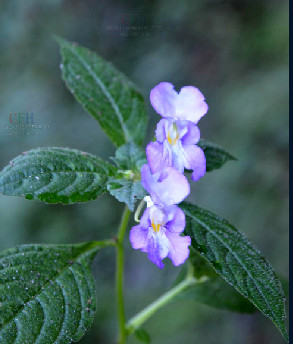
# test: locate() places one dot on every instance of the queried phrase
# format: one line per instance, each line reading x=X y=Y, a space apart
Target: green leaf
x=126 y=185
x=215 y=155
x=142 y=335
x=126 y=191
x=215 y=291
x=285 y=285
x=47 y=293
x=105 y=93
x=130 y=157
x=237 y=261
x=56 y=175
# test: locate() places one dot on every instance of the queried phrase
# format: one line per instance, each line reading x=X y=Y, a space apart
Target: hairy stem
x=135 y=322
x=119 y=274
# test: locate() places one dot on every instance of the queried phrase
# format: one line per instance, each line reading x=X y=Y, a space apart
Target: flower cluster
x=174 y=150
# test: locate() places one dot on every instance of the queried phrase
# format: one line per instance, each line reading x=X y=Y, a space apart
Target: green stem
x=119 y=274
x=135 y=322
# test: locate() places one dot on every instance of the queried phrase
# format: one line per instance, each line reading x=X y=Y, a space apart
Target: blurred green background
x=236 y=53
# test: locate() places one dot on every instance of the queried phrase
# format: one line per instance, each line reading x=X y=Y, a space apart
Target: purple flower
x=160 y=226
x=158 y=234
x=176 y=146
x=165 y=187
x=189 y=104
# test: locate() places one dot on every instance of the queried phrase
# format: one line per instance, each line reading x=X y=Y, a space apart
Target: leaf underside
x=128 y=188
x=105 y=93
x=142 y=335
x=130 y=157
x=126 y=191
x=56 y=175
x=47 y=293
x=237 y=261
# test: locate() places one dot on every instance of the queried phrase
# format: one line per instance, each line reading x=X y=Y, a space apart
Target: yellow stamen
x=169 y=139
x=156 y=226
x=172 y=141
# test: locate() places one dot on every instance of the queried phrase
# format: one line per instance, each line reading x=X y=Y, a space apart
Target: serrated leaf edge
x=247 y=271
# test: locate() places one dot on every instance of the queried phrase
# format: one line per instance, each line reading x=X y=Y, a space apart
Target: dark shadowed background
x=236 y=53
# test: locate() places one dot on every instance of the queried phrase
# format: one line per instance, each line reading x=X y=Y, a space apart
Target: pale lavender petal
x=153 y=253
x=147 y=178
x=161 y=129
x=156 y=213
x=178 y=160
x=156 y=157
x=192 y=135
x=173 y=187
x=145 y=219
x=196 y=161
x=163 y=244
x=138 y=237
x=163 y=98
x=190 y=104
x=178 y=248
x=176 y=219
x=167 y=188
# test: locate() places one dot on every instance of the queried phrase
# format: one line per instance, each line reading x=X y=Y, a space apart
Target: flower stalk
x=136 y=322
x=119 y=274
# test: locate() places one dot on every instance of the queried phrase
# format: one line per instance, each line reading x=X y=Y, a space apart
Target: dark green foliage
x=47 y=293
x=105 y=93
x=215 y=155
x=237 y=261
x=215 y=291
x=142 y=335
x=130 y=157
x=56 y=175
